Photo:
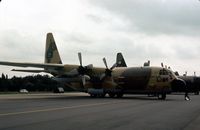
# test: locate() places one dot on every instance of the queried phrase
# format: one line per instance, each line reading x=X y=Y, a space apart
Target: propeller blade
x=105 y=63
x=83 y=80
x=102 y=76
x=162 y=65
x=108 y=72
x=87 y=77
x=80 y=58
x=115 y=65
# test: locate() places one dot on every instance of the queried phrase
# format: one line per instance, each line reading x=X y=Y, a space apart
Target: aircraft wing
x=37 y=65
x=51 y=68
x=32 y=71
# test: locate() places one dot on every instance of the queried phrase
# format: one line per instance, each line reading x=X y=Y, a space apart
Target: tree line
x=31 y=83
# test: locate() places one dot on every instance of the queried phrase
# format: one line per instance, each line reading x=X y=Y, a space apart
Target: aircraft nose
x=178 y=85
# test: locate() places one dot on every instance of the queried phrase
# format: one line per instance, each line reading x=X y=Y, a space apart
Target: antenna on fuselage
x=185 y=73
x=147 y=63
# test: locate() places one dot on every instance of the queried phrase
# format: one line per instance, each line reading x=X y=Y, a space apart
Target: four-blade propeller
x=108 y=72
x=82 y=70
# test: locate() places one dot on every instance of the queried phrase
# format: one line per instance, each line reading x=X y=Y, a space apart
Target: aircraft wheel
x=119 y=95
x=102 y=95
x=111 y=95
x=152 y=95
x=162 y=96
x=196 y=93
x=93 y=95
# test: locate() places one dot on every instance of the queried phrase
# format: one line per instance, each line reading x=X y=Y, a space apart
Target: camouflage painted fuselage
x=130 y=80
x=143 y=79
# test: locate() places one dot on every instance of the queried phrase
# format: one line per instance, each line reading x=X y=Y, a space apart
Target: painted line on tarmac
x=58 y=108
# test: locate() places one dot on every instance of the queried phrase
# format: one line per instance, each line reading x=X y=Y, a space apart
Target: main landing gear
x=111 y=95
x=102 y=93
x=98 y=95
x=118 y=95
x=162 y=96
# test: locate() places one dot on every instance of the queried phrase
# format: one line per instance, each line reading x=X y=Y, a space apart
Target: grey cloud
x=156 y=16
x=18 y=47
x=78 y=38
x=95 y=18
x=109 y=46
x=187 y=52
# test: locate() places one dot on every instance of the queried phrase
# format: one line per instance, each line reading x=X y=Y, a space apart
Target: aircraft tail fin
x=120 y=60
x=51 y=51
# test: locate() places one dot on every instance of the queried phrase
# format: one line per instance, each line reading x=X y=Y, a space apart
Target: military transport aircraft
x=98 y=81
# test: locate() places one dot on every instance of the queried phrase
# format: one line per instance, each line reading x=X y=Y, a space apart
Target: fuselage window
x=163 y=76
x=163 y=72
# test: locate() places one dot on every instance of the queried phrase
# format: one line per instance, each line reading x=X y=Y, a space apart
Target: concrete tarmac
x=77 y=111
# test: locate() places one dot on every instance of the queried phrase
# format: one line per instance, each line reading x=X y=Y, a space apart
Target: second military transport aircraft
x=98 y=81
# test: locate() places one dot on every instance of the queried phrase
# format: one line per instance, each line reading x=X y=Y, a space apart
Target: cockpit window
x=163 y=72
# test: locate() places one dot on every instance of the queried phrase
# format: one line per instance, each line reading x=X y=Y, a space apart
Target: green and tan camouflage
x=51 y=52
x=99 y=81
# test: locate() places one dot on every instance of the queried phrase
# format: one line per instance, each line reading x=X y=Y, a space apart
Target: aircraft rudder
x=120 y=60
x=51 y=52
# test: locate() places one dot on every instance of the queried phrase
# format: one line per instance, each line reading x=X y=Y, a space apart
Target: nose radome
x=178 y=85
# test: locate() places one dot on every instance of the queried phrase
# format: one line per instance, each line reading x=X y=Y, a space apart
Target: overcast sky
x=158 y=30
